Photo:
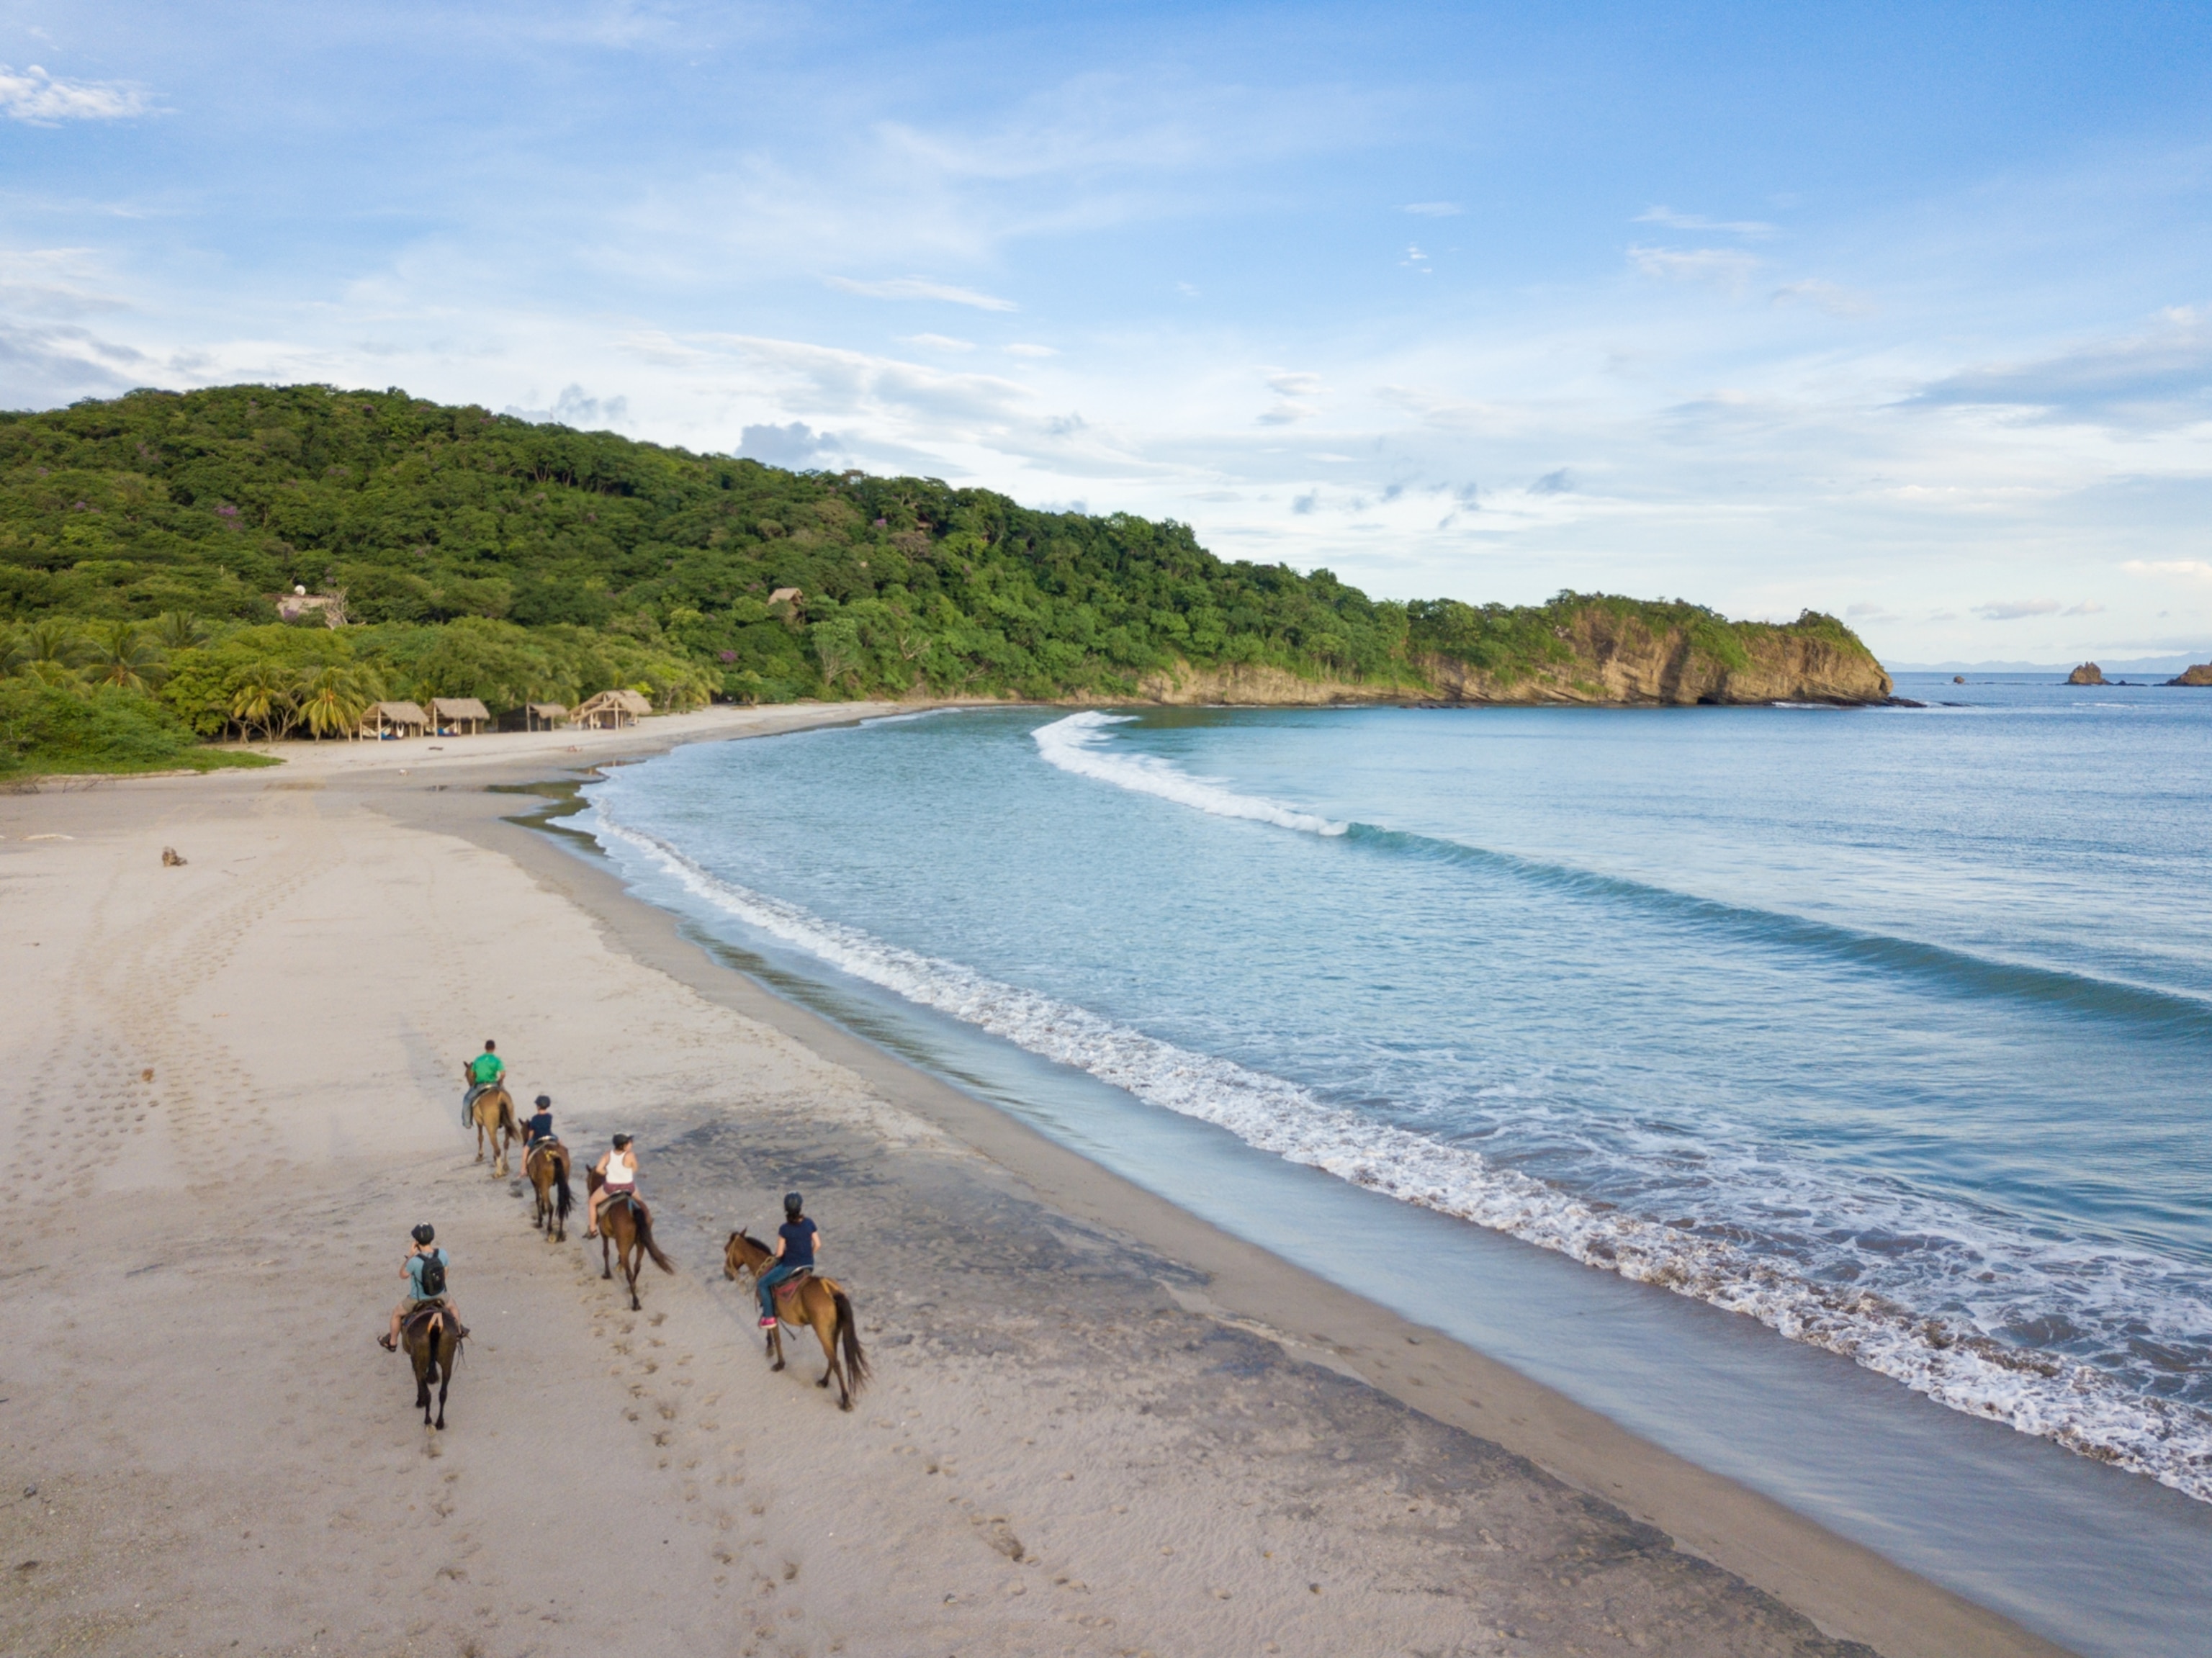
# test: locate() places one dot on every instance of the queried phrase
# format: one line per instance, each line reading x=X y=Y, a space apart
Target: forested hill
x=477 y=554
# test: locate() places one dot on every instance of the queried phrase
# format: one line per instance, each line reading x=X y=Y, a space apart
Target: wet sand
x=1097 y=1424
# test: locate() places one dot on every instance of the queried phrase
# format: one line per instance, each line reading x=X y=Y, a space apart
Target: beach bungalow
x=457 y=716
x=381 y=721
x=544 y=716
x=786 y=603
x=611 y=710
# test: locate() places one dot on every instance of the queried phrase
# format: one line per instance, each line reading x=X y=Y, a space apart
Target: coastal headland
x=264 y=561
x=1097 y=1425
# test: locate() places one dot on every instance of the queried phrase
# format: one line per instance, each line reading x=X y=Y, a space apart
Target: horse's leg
x=634 y=1263
x=775 y=1345
x=480 y=1139
x=448 y=1346
x=605 y=1270
x=825 y=1331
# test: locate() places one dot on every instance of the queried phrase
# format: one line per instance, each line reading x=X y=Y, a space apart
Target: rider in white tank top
x=617 y=1170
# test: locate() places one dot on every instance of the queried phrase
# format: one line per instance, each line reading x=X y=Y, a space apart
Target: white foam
x=1076 y=744
x=2079 y=1406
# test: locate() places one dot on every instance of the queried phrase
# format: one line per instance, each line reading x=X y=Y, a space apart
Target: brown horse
x=809 y=1301
x=433 y=1348
x=547 y=1168
x=627 y=1224
x=494 y=1115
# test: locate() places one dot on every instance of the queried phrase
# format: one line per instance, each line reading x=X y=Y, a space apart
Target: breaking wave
x=1076 y=744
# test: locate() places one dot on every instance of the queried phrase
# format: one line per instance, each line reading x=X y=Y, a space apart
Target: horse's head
x=743 y=1254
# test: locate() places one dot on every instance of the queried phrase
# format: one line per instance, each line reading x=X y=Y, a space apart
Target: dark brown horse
x=433 y=1347
x=809 y=1301
x=627 y=1224
x=547 y=1168
x=493 y=1114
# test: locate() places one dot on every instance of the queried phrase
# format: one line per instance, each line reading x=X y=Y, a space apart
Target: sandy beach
x=1097 y=1425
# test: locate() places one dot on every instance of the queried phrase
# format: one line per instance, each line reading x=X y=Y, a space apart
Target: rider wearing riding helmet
x=419 y=1259
x=539 y=1128
x=796 y=1240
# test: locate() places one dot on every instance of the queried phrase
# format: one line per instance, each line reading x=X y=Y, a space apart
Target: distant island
x=176 y=567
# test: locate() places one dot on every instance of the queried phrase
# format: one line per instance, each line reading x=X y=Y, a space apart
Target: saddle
x=792 y=1285
x=412 y=1326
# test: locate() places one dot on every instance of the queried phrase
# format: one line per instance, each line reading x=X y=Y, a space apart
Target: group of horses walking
x=809 y=1300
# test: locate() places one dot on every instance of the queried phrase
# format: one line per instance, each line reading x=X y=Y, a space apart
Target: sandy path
x=1068 y=1448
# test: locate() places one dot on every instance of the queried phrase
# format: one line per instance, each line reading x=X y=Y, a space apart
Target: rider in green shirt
x=480 y=1073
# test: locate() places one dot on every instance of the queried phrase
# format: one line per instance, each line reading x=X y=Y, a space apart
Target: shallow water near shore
x=1885 y=1029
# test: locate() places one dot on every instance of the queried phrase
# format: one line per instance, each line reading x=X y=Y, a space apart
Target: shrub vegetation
x=145 y=542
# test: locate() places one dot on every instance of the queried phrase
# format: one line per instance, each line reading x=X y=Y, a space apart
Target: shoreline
x=1834 y=1582
x=1236 y=1289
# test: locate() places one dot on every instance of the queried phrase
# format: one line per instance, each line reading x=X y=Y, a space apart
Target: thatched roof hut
x=383 y=719
x=544 y=716
x=611 y=710
x=459 y=716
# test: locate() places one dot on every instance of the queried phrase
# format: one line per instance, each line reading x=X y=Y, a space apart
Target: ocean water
x=1889 y=1031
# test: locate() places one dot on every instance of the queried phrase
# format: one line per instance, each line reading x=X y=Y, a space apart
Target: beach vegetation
x=434 y=550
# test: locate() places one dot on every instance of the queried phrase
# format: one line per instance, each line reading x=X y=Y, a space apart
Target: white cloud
x=2018 y=610
x=1436 y=210
x=1725 y=266
x=918 y=288
x=1666 y=216
x=576 y=407
x=2162 y=377
x=37 y=97
x=1023 y=348
x=2181 y=567
x=939 y=343
x=1825 y=296
x=1294 y=384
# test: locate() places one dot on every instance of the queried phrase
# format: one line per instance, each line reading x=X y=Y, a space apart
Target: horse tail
x=645 y=1237
x=847 y=1338
x=561 y=1184
x=507 y=1125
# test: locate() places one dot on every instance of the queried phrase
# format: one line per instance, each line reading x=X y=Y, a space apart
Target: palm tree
x=50 y=639
x=15 y=653
x=333 y=700
x=123 y=655
x=262 y=696
x=178 y=630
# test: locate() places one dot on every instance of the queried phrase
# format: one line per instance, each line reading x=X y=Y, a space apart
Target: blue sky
x=1899 y=312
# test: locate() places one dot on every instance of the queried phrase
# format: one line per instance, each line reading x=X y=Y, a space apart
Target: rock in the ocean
x=2199 y=675
x=2087 y=674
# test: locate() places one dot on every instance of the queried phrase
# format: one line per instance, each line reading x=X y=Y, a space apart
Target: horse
x=627 y=1224
x=432 y=1349
x=811 y=1301
x=493 y=1113
x=547 y=1167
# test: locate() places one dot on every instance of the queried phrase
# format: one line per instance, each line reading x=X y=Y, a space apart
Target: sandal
x=388 y=1344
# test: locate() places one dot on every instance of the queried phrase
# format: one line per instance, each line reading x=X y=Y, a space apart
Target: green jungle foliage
x=476 y=554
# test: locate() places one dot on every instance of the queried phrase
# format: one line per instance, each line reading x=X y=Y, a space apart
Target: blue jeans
x=776 y=1275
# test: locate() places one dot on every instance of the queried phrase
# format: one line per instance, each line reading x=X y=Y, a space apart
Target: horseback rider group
x=426 y=1266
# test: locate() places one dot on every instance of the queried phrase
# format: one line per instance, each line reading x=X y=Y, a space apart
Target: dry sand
x=1096 y=1426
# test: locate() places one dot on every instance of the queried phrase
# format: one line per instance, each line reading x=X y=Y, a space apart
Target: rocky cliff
x=2199 y=675
x=2087 y=674
x=1575 y=650
x=1611 y=653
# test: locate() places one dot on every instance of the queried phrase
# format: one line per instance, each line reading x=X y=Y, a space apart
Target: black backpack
x=433 y=1277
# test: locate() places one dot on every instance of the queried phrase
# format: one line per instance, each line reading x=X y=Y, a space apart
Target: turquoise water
x=1886 y=1031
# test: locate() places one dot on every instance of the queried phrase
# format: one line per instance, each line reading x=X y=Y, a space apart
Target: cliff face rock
x=2199 y=675
x=1609 y=657
x=2087 y=674
x=1576 y=649
x=1251 y=684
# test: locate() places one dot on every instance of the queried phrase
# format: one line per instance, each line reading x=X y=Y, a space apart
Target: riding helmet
x=425 y=1232
x=793 y=1204
x=545 y=1102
